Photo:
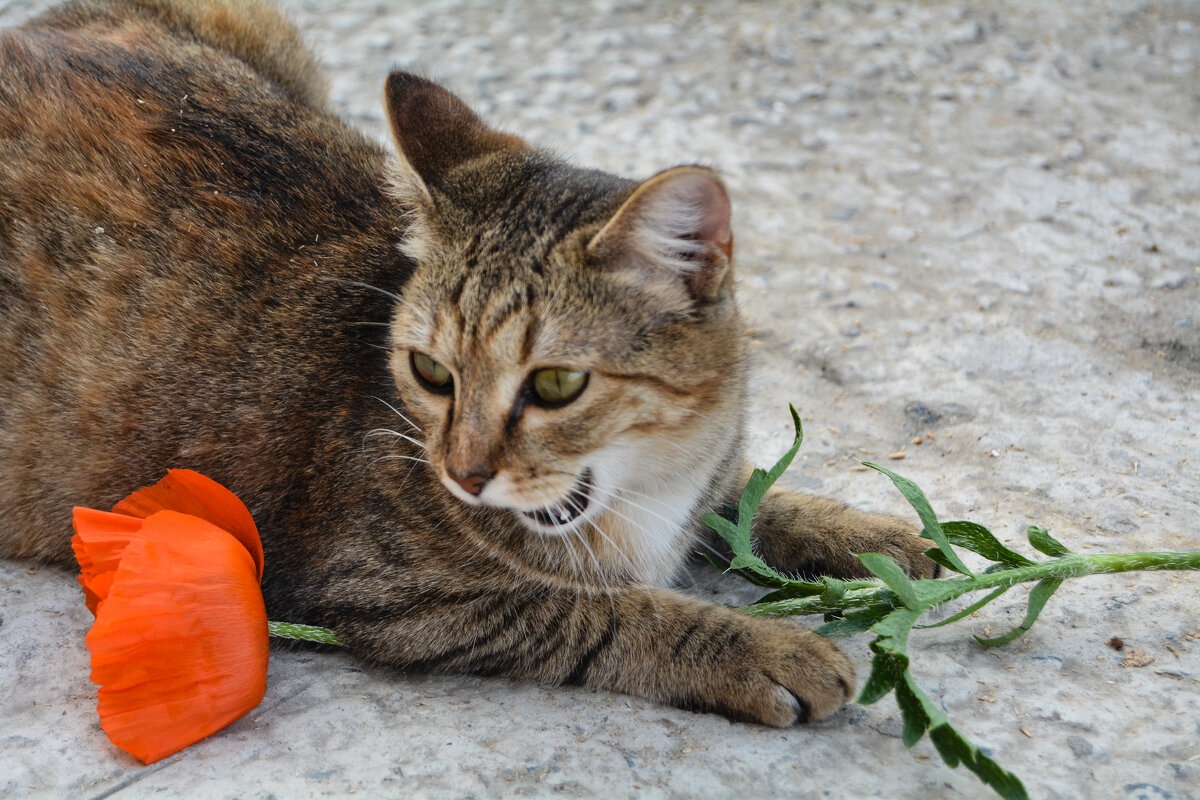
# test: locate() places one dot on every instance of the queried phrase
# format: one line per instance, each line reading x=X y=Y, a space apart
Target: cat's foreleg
x=652 y=643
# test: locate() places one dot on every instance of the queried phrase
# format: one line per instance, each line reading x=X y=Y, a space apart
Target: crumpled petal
x=99 y=543
x=180 y=644
x=189 y=492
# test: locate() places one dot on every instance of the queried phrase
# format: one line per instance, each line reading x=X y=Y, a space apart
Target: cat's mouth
x=564 y=511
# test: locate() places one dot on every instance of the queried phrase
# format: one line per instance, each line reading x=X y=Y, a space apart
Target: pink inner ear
x=714 y=223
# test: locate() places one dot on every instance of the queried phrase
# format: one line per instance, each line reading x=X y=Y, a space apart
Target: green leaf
x=768 y=582
x=891 y=656
x=971 y=609
x=792 y=589
x=915 y=710
x=916 y=498
x=936 y=556
x=856 y=621
x=1037 y=601
x=1043 y=542
x=886 y=670
x=955 y=749
x=760 y=482
x=888 y=571
x=979 y=539
x=739 y=535
x=835 y=590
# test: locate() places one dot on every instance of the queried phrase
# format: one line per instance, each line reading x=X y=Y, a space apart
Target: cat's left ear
x=435 y=132
x=674 y=227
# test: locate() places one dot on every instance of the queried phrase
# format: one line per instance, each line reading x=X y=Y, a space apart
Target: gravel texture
x=972 y=223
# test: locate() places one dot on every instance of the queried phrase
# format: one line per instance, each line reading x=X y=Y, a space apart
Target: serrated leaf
x=933 y=530
x=887 y=570
x=913 y=712
x=979 y=539
x=971 y=609
x=886 y=670
x=954 y=748
x=1043 y=542
x=1037 y=601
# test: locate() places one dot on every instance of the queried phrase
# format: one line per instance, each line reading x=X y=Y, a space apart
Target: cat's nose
x=472 y=484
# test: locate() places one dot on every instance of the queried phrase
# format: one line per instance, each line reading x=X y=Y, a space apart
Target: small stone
x=843 y=213
x=812 y=91
x=1072 y=150
x=1080 y=746
x=1167 y=280
x=969 y=33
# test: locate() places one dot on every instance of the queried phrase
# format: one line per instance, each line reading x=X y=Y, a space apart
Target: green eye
x=557 y=386
x=433 y=375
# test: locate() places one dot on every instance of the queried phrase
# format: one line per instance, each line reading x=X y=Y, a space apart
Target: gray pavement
x=974 y=223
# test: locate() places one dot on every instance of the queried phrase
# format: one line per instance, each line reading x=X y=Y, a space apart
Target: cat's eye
x=557 y=386
x=433 y=375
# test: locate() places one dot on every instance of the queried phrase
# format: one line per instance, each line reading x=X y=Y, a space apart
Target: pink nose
x=472 y=484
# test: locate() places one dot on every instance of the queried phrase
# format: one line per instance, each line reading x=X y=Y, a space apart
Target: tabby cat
x=475 y=397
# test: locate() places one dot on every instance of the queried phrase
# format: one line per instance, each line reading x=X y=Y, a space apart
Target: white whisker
x=389 y=432
x=364 y=286
x=404 y=458
x=397 y=413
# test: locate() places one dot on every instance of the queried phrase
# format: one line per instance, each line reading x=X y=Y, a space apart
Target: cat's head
x=569 y=342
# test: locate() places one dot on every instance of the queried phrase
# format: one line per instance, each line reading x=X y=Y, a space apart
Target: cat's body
x=198 y=267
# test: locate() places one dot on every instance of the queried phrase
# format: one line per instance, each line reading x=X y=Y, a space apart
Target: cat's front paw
x=812 y=536
x=908 y=550
x=780 y=675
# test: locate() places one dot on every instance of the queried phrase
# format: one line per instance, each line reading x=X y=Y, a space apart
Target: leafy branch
x=891 y=610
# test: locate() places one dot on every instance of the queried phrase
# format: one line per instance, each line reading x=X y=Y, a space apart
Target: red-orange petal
x=99 y=541
x=179 y=647
x=189 y=492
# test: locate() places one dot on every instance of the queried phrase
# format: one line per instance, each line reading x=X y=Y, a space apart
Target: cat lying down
x=475 y=397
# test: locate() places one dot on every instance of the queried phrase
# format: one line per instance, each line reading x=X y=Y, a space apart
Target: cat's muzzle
x=566 y=510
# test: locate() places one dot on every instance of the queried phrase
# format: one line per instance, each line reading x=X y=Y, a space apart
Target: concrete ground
x=972 y=223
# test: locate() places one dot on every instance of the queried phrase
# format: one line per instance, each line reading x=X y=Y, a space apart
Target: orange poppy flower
x=179 y=647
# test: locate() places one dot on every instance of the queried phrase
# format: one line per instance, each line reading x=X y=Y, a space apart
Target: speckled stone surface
x=975 y=223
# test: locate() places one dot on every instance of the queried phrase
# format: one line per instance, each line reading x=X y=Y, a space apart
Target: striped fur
x=201 y=267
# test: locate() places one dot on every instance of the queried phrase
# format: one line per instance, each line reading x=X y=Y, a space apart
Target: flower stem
x=307 y=633
x=936 y=592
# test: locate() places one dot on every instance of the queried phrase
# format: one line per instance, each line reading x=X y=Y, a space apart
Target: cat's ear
x=435 y=132
x=675 y=227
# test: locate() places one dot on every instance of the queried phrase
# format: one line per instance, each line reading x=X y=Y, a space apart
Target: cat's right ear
x=672 y=233
x=435 y=133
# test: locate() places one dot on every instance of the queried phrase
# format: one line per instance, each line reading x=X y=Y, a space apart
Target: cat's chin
x=565 y=514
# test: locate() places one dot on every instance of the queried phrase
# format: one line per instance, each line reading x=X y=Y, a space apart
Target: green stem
x=307 y=633
x=938 y=592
